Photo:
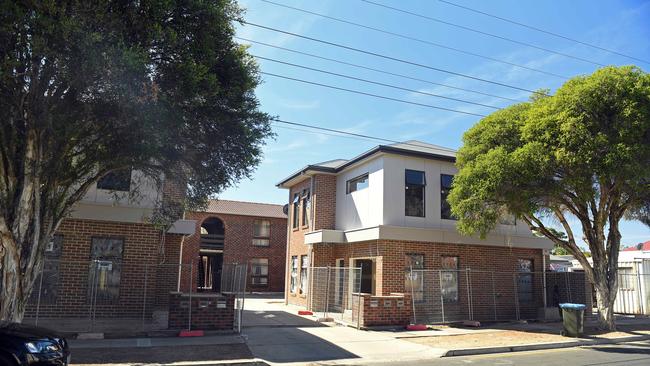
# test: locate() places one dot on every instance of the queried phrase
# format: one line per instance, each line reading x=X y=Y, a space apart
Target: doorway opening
x=211 y=255
x=367 y=275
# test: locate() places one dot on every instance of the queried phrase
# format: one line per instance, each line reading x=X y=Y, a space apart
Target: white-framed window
x=259 y=272
x=293 y=286
x=358 y=183
x=304 y=274
x=261 y=233
x=295 y=214
x=415 y=183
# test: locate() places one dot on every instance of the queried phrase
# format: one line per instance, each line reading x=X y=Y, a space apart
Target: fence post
x=469 y=294
x=442 y=298
x=494 y=297
x=189 y=317
x=144 y=296
x=514 y=280
x=412 y=279
x=40 y=289
x=638 y=292
x=327 y=293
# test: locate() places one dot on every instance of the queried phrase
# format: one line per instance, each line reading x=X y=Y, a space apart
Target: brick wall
x=238 y=247
x=209 y=311
x=390 y=262
x=392 y=309
x=297 y=246
x=148 y=271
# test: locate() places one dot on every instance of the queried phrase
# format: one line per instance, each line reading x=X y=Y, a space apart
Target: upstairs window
x=357 y=183
x=261 y=233
x=306 y=206
x=414 y=194
x=295 y=214
x=118 y=180
x=445 y=187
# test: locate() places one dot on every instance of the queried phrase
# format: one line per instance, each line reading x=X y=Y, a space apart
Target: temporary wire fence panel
x=331 y=292
x=234 y=279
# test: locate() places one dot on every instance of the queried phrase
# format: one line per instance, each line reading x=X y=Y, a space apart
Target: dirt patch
x=146 y=355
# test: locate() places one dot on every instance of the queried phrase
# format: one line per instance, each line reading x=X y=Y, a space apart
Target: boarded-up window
x=105 y=269
x=46 y=287
x=449 y=278
x=525 y=280
x=414 y=281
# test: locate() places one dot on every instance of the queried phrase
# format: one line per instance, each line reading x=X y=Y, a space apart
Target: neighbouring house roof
x=409 y=148
x=245 y=208
x=639 y=247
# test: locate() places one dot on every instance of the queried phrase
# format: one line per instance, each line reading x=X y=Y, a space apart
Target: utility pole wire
x=371 y=95
x=394 y=58
x=424 y=41
x=376 y=82
x=522 y=43
x=376 y=70
x=543 y=31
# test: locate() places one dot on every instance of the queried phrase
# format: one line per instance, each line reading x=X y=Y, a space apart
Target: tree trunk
x=605 y=307
x=13 y=297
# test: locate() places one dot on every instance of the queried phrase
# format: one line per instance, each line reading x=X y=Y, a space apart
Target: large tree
x=92 y=87
x=580 y=155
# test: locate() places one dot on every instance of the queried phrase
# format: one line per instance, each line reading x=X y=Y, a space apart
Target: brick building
x=229 y=232
x=385 y=212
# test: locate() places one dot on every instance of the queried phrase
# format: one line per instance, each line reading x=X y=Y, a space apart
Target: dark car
x=22 y=344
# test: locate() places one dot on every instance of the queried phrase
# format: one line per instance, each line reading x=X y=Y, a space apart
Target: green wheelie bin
x=573 y=316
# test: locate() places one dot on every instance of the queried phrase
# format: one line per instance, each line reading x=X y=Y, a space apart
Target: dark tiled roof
x=245 y=208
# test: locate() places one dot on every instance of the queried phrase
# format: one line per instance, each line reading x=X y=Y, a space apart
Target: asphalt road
x=636 y=353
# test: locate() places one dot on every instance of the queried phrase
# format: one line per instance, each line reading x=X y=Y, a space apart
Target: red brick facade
x=65 y=291
x=239 y=248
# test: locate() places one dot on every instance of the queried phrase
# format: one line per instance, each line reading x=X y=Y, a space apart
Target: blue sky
x=619 y=25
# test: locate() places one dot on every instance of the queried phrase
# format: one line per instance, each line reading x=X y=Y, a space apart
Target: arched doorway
x=211 y=255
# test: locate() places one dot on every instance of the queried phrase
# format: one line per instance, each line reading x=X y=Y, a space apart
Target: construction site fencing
x=445 y=296
x=234 y=279
x=332 y=290
x=109 y=295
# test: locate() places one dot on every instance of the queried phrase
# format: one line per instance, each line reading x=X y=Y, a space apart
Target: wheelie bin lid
x=573 y=306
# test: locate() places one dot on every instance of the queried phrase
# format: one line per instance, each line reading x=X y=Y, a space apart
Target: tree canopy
x=582 y=153
x=91 y=87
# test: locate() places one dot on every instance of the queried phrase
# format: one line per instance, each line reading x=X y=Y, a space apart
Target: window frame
x=253 y=276
x=258 y=238
x=304 y=269
x=361 y=177
x=295 y=211
x=293 y=275
x=455 y=273
x=422 y=186
x=305 y=202
x=115 y=262
x=417 y=294
x=113 y=177
x=444 y=193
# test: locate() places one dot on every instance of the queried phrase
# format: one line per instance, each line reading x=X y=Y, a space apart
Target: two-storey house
x=385 y=211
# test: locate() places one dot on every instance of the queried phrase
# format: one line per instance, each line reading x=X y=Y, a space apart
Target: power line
x=393 y=58
x=482 y=32
x=542 y=30
x=376 y=82
x=371 y=95
x=341 y=133
x=403 y=36
x=376 y=70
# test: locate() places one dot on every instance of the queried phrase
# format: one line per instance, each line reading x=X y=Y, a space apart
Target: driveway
x=277 y=335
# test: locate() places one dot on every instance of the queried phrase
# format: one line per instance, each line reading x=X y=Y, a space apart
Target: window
x=414 y=195
x=445 y=186
x=294 y=274
x=304 y=274
x=118 y=180
x=296 y=210
x=414 y=281
x=357 y=183
x=525 y=280
x=449 y=280
x=261 y=233
x=260 y=272
x=306 y=206
x=106 y=269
